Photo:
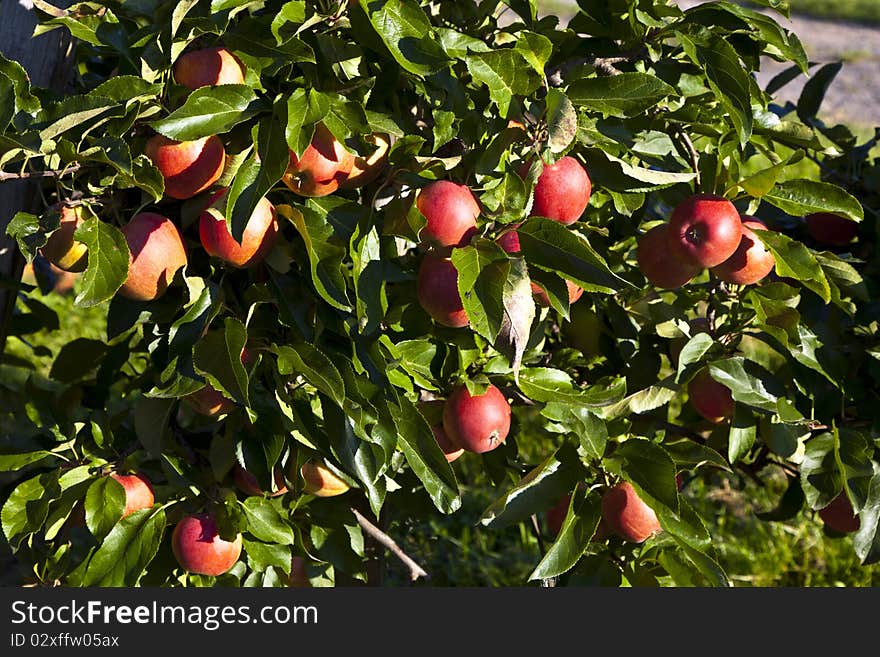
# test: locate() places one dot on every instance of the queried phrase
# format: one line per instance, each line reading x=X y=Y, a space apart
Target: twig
x=683 y=431
x=692 y=151
x=415 y=570
x=56 y=173
x=605 y=65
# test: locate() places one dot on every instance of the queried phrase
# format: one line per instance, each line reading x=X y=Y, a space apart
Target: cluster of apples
x=562 y=193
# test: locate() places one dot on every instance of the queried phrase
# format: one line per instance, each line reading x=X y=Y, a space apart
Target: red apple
x=839 y=515
x=324 y=165
x=157 y=251
x=478 y=423
x=658 y=265
x=704 y=230
x=562 y=191
x=199 y=549
x=437 y=291
x=188 y=167
x=509 y=241
x=366 y=168
x=259 y=236
x=208 y=67
x=138 y=492
x=249 y=485
x=450 y=449
x=556 y=515
x=751 y=261
x=709 y=398
x=320 y=481
x=450 y=211
x=829 y=228
x=627 y=515
x=299 y=578
x=61 y=249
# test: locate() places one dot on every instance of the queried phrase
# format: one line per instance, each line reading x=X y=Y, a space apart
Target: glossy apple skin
x=658 y=265
x=450 y=212
x=248 y=484
x=477 y=423
x=627 y=515
x=751 y=262
x=320 y=481
x=61 y=249
x=437 y=291
x=509 y=241
x=139 y=492
x=188 y=167
x=704 y=230
x=323 y=166
x=365 y=169
x=156 y=251
x=260 y=234
x=562 y=191
x=450 y=450
x=831 y=229
x=198 y=548
x=709 y=398
x=839 y=515
x=208 y=67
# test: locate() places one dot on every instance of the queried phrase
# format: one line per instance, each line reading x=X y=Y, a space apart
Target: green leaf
x=590 y=430
x=25 y=510
x=693 y=352
x=561 y=120
x=744 y=386
x=264 y=555
x=623 y=95
x=795 y=260
x=127 y=550
x=743 y=433
x=209 y=111
x=802 y=197
x=77 y=359
x=506 y=73
x=611 y=172
x=265 y=522
x=108 y=258
x=407 y=33
x=104 y=503
x=578 y=528
x=218 y=358
x=866 y=541
x=302 y=359
x=546 y=384
x=814 y=91
x=482 y=272
x=152 y=423
x=648 y=466
x=821 y=479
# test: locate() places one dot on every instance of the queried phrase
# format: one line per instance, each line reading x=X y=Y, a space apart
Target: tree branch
x=692 y=152
x=415 y=570
x=56 y=173
x=605 y=65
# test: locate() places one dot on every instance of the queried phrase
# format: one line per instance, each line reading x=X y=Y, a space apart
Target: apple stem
x=415 y=570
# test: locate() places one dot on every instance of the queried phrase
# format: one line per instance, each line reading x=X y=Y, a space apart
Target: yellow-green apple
x=751 y=261
x=320 y=481
x=450 y=212
x=260 y=233
x=437 y=291
x=156 y=252
x=324 y=164
x=657 y=263
x=704 y=230
x=627 y=515
x=208 y=67
x=138 y=492
x=477 y=423
x=832 y=229
x=839 y=515
x=562 y=191
x=61 y=249
x=249 y=485
x=366 y=168
x=199 y=549
x=188 y=167
x=709 y=398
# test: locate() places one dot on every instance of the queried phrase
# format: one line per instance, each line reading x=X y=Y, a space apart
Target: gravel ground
x=854 y=96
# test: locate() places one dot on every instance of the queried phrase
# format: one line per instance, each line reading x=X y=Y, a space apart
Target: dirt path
x=854 y=96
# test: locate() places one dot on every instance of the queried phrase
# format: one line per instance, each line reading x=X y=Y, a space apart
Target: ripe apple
x=562 y=191
x=751 y=261
x=321 y=481
x=839 y=515
x=627 y=515
x=450 y=449
x=249 y=485
x=658 y=265
x=138 y=492
x=188 y=167
x=556 y=515
x=450 y=211
x=199 y=549
x=61 y=249
x=259 y=237
x=709 y=398
x=437 y=291
x=583 y=329
x=299 y=578
x=366 y=168
x=509 y=241
x=829 y=228
x=157 y=251
x=208 y=67
x=704 y=230
x=324 y=165
x=478 y=423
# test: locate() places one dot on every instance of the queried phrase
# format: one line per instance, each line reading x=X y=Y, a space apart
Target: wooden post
x=43 y=58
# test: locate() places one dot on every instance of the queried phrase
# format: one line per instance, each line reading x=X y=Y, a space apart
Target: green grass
x=854 y=10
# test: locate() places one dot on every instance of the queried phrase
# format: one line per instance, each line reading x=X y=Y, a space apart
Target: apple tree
x=343 y=248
